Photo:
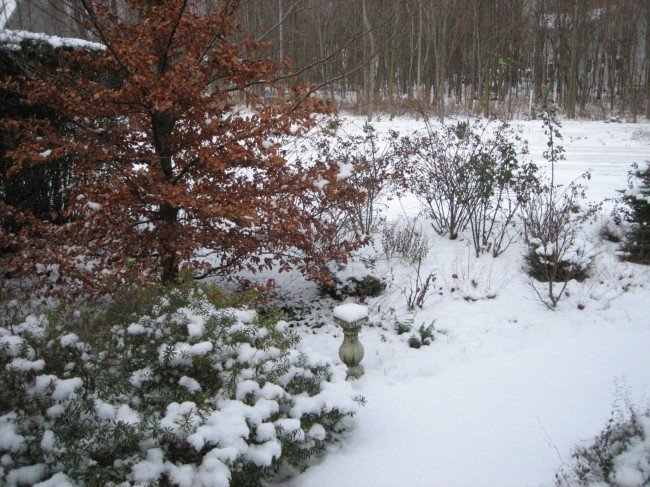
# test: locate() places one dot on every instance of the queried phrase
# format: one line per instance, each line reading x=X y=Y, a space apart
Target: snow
x=25 y=365
x=126 y=415
x=288 y=426
x=213 y=472
x=272 y=391
x=181 y=352
x=149 y=470
x=55 y=411
x=176 y=414
x=244 y=316
x=320 y=184
x=8 y=7
x=13 y=38
x=64 y=388
x=508 y=387
x=116 y=414
x=68 y=340
x=12 y=344
x=9 y=439
x=140 y=376
x=196 y=321
x=57 y=480
x=190 y=384
x=263 y=455
x=47 y=441
x=350 y=312
x=632 y=467
x=25 y=475
x=317 y=432
x=265 y=432
x=135 y=329
x=226 y=427
x=245 y=388
x=333 y=396
x=346 y=170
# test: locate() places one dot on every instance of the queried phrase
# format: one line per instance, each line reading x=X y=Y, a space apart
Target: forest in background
x=476 y=57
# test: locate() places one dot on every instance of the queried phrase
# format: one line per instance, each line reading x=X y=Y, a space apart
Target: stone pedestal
x=351 y=317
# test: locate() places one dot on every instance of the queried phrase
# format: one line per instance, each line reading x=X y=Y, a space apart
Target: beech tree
x=176 y=151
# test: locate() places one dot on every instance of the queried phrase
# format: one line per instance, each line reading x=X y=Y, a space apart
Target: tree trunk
x=572 y=91
x=369 y=84
x=162 y=126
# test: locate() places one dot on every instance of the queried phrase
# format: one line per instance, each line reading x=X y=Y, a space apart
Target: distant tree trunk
x=440 y=59
x=392 y=63
x=280 y=31
x=369 y=83
x=572 y=90
x=647 y=60
x=418 y=82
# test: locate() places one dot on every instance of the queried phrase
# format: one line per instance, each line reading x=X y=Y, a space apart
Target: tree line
x=476 y=56
x=446 y=56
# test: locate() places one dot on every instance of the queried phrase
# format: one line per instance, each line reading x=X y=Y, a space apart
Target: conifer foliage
x=167 y=162
x=174 y=389
x=637 y=198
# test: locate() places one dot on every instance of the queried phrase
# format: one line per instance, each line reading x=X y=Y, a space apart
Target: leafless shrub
x=469 y=174
x=473 y=279
x=365 y=162
x=405 y=239
x=418 y=286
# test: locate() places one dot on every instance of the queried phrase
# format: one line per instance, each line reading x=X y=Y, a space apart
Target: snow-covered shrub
x=611 y=229
x=552 y=217
x=404 y=238
x=637 y=198
x=414 y=342
x=362 y=288
x=402 y=327
x=559 y=260
x=425 y=336
x=619 y=456
x=162 y=387
x=469 y=174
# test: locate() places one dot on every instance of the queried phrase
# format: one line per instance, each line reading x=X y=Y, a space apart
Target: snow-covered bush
x=611 y=229
x=362 y=288
x=552 y=217
x=637 y=198
x=162 y=387
x=619 y=456
x=425 y=336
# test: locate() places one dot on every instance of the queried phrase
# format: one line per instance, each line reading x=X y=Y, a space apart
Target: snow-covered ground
x=508 y=387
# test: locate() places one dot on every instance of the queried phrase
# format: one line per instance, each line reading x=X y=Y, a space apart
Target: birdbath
x=351 y=317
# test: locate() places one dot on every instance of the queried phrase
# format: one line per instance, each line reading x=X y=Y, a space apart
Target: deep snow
x=508 y=387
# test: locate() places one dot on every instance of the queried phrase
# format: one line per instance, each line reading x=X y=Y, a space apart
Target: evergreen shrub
x=162 y=386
